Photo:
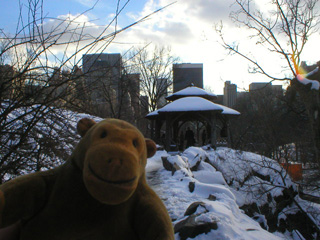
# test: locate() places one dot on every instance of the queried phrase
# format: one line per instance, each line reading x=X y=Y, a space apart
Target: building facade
x=111 y=91
x=102 y=75
x=186 y=74
x=265 y=86
x=230 y=94
x=162 y=91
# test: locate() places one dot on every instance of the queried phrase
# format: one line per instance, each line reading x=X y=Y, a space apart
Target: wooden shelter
x=191 y=104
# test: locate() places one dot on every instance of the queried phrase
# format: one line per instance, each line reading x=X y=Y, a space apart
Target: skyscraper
x=259 y=86
x=230 y=94
x=265 y=87
x=111 y=92
x=162 y=91
x=102 y=74
x=101 y=62
x=186 y=74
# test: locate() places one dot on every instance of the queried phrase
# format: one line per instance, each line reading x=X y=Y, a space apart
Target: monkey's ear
x=151 y=147
x=84 y=125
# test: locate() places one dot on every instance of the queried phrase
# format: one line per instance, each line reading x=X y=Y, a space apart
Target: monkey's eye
x=135 y=143
x=103 y=134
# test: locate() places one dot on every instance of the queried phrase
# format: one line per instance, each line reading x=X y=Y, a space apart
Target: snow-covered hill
x=210 y=193
x=36 y=138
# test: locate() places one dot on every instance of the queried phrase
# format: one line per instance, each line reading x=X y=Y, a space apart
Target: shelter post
x=152 y=129
x=228 y=133
x=157 y=130
x=213 y=130
x=168 y=132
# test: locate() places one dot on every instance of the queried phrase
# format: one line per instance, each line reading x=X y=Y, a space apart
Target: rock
x=193 y=208
x=166 y=164
x=189 y=228
x=173 y=163
x=261 y=220
x=195 y=167
x=192 y=185
x=212 y=197
x=169 y=166
x=195 y=156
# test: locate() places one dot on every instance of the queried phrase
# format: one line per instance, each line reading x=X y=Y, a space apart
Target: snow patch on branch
x=304 y=80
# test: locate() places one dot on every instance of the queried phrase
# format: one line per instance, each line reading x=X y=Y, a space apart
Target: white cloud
x=208 y=10
x=71 y=36
x=189 y=30
x=87 y=3
x=188 y=27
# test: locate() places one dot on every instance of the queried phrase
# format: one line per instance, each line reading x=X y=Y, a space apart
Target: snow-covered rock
x=209 y=194
x=216 y=210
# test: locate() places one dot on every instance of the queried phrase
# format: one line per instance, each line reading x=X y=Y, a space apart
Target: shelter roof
x=192 y=104
x=191 y=91
x=228 y=111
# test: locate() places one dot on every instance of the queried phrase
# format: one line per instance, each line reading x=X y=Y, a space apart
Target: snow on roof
x=193 y=104
x=190 y=104
x=228 y=111
x=192 y=91
x=154 y=113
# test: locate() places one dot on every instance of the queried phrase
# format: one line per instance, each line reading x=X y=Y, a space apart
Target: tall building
x=230 y=94
x=133 y=81
x=143 y=124
x=259 y=86
x=162 y=91
x=10 y=85
x=186 y=74
x=101 y=62
x=111 y=92
x=103 y=72
x=265 y=86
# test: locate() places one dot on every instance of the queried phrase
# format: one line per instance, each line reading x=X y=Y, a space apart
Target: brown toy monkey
x=99 y=193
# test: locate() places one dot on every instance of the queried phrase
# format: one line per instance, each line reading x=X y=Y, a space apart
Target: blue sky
x=54 y=8
x=187 y=26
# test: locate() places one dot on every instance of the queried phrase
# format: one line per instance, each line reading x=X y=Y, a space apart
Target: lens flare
x=302 y=75
x=300 y=72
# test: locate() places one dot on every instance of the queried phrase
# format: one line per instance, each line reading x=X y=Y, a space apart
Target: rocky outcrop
x=234 y=180
x=193 y=225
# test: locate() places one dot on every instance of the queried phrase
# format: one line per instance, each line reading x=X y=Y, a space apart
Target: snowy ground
x=232 y=178
x=232 y=222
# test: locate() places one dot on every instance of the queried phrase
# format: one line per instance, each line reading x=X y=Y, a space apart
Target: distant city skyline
x=186 y=27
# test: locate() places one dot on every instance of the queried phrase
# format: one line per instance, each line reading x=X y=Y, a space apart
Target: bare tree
x=267 y=122
x=112 y=91
x=155 y=67
x=39 y=77
x=284 y=31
